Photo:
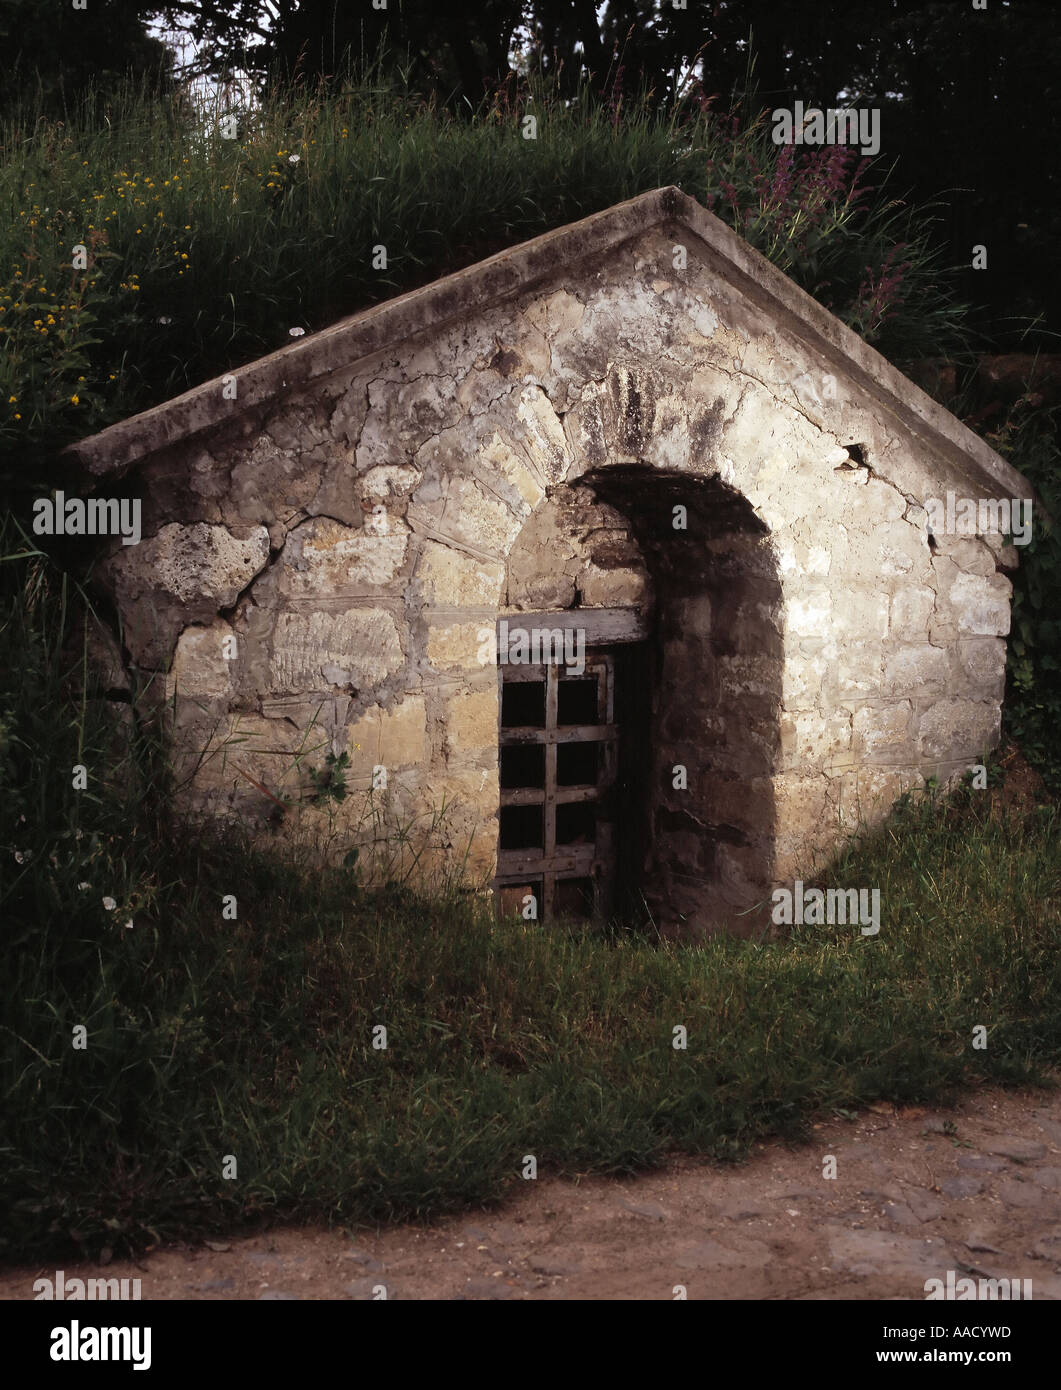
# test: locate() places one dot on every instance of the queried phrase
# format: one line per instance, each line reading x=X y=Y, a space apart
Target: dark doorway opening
x=572 y=778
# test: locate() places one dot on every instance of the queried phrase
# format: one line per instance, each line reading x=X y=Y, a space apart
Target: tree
x=453 y=51
x=54 y=56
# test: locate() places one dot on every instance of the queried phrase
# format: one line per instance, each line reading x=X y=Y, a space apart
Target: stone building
x=606 y=563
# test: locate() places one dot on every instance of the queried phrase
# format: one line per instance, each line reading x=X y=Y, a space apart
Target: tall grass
x=253 y=1037
x=204 y=252
x=1029 y=438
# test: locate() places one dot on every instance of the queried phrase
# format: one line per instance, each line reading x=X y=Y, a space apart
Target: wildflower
x=297 y=332
x=75 y=400
x=12 y=400
x=84 y=886
x=109 y=904
x=293 y=158
x=165 y=319
x=127 y=926
x=20 y=858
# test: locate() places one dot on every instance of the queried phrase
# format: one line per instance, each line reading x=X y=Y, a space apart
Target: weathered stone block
x=612 y=588
x=860 y=614
x=867 y=794
x=390 y=480
x=193 y=564
x=545 y=440
x=983 y=660
x=969 y=554
x=451 y=579
x=326 y=560
x=247 y=746
x=911 y=611
x=812 y=738
x=200 y=669
x=902 y=550
x=881 y=727
x=958 y=729
x=501 y=456
x=391 y=738
x=315 y=650
x=915 y=670
x=459 y=646
x=810 y=615
x=982 y=603
x=802 y=680
x=471 y=722
x=182 y=575
x=858 y=670
x=746 y=803
x=269 y=483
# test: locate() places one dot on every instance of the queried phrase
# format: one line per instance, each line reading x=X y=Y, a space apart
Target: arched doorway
x=638 y=739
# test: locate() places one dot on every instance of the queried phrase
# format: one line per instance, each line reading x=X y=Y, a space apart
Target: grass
x=253 y=1038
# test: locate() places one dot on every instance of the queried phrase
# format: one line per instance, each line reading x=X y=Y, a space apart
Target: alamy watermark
x=71 y=1290
x=971 y=516
x=96 y=516
x=844 y=126
x=535 y=646
x=77 y=1343
x=818 y=907
x=959 y=1289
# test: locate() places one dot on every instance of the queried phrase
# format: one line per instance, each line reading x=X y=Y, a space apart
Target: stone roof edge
x=509 y=272
x=915 y=408
x=344 y=343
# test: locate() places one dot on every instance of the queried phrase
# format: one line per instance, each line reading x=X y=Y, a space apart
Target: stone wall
x=816 y=656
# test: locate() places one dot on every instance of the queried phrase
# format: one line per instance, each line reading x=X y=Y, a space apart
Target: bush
x=1029 y=440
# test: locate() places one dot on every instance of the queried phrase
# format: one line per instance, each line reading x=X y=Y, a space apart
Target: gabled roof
x=517 y=269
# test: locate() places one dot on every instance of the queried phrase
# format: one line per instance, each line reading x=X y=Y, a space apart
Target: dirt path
x=976 y=1190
